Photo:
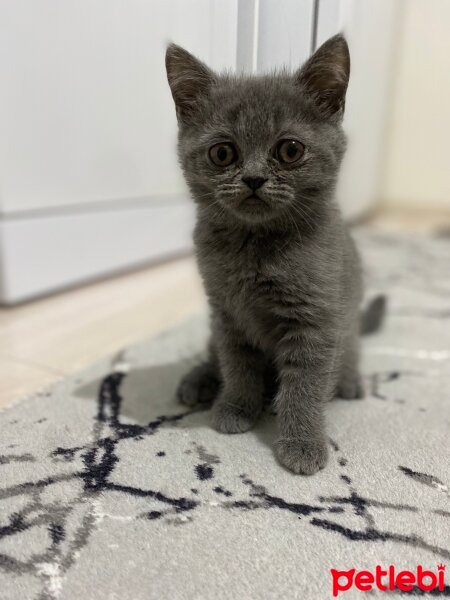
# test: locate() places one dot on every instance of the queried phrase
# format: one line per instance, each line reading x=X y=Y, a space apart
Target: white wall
x=417 y=162
x=85 y=112
x=370 y=27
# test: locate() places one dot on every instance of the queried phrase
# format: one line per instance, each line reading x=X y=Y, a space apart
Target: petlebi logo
x=388 y=579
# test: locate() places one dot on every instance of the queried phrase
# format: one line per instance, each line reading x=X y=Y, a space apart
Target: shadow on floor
x=150 y=392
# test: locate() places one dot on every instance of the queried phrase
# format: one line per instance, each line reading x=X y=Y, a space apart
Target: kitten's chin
x=253 y=213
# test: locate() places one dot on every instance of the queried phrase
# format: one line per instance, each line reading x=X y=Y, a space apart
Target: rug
x=110 y=490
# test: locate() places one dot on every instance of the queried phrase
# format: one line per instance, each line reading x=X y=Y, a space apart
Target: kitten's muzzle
x=253 y=201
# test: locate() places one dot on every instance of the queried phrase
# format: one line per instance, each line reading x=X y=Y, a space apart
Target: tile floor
x=49 y=338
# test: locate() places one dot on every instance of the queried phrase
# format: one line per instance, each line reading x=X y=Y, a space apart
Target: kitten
x=261 y=156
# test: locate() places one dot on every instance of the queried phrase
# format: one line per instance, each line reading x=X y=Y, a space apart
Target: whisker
x=303 y=215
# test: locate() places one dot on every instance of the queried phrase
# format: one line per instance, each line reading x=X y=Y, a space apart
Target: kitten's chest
x=249 y=287
x=247 y=283
x=246 y=272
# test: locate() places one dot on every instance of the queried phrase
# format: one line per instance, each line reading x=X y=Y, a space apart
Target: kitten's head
x=261 y=149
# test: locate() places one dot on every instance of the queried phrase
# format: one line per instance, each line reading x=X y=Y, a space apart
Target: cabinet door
x=90 y=182
x=86 y=115
x=273 y=33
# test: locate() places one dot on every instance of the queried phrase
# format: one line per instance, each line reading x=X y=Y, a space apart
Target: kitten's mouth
x=253 y=201
x=252 y=208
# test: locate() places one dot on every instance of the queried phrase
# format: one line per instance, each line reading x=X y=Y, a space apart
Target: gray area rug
x=109 y=489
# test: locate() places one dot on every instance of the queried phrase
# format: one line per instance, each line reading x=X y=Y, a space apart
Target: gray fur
x=281 y=273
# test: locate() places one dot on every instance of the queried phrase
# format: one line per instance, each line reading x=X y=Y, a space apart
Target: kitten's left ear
x=325 y=76
x=189 y=79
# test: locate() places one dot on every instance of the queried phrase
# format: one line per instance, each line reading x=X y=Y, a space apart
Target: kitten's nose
x=254 y=182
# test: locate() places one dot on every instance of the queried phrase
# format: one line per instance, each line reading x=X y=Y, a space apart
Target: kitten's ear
x=189 y=79
x=325 y=76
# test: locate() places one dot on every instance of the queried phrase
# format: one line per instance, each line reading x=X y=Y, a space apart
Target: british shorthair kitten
x=261 y=156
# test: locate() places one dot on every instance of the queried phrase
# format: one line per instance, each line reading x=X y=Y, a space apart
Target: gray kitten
x=261 y=156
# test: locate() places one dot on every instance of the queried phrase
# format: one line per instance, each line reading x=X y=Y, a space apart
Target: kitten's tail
x=372 y=316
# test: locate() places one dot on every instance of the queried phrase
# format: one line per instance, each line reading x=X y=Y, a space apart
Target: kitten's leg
x=306 y=369
x=350 y=385
x=201 y=384
x=240 y=400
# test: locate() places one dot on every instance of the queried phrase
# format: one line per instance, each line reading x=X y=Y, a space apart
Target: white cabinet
x=89 y=179
x=85 y=112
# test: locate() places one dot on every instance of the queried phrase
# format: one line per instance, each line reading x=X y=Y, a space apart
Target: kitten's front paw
x=302 y=457
x=199 y=386
x=232 y=418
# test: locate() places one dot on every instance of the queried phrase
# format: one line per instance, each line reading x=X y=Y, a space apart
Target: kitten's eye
x=289 y=151
x=223 y=154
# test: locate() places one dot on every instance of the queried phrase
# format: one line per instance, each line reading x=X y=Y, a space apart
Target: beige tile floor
x=47 y=339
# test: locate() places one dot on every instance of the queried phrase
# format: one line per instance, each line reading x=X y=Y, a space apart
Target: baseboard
x=49 y=251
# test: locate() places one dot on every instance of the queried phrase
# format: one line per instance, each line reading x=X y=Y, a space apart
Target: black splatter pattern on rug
x=100 y=458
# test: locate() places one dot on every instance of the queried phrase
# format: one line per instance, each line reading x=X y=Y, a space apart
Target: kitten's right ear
x=189 y=79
